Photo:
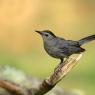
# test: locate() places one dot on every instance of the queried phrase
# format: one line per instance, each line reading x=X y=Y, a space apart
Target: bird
x=62 y=48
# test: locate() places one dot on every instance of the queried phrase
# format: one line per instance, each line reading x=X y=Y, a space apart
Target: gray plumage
x=61 y=48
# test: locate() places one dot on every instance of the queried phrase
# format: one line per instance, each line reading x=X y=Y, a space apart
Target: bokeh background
x=22 y=48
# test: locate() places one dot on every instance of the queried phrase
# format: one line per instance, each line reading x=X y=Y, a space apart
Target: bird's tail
x=86 y=40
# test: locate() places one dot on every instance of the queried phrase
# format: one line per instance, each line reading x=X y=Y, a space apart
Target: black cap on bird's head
x=46 y=33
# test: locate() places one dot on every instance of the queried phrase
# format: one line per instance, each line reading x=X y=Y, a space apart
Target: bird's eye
x=46 y=35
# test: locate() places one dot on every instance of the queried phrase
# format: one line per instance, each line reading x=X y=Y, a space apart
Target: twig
x=12 y=88
x=47 y=84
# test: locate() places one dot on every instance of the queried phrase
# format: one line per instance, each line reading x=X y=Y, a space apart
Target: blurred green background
x=22 y=48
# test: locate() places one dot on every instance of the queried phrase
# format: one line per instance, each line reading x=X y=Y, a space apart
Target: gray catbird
x=61 y=48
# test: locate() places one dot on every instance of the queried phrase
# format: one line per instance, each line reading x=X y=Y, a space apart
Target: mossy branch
x=47 y=84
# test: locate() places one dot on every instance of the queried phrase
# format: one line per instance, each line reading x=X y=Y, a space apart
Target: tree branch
x=61 y=71
x=47 y=84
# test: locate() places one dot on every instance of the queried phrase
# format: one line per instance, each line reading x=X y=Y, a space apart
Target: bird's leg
x=62 y=60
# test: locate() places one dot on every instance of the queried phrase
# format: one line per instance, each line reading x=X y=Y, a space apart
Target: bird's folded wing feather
x=72 y=43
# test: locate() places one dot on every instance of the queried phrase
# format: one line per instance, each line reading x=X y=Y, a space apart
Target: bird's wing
x=72 y=43
x=68 y=50
x=68 y=47
x=64 y=42
x=75 y=46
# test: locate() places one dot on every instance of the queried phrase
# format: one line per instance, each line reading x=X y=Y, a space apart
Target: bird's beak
x=39 y=32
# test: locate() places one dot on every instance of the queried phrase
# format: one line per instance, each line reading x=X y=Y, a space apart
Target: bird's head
x=46 y=34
